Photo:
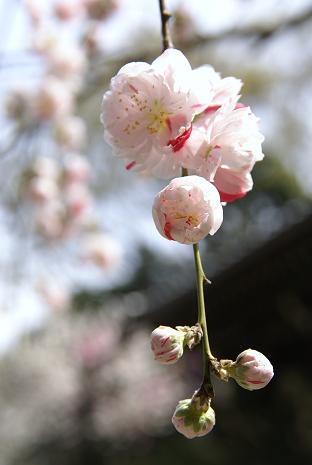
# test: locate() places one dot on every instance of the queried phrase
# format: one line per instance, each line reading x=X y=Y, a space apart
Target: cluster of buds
x=195 y=417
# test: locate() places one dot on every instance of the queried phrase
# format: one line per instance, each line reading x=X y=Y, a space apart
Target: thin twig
x=165 y=31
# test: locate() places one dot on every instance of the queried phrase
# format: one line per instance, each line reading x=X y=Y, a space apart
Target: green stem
x=207 y=354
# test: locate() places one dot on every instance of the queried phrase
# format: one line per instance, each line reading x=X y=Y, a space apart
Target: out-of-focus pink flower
x=77 y=199
x=76 y=169
x=56 y=295
x=67 y=9
x=53 y=100
x=43 y=189
x=35 y=11
x=191 y=420
x=46 y=167
x=67 y=61
x=71 y=132
x=50 y=219
x=251 y=370
x=187 y=210
x=167 y=344
x=98 y=346
x=44 y=40
x=101 y=249
x=100 y=9
x=148 y=111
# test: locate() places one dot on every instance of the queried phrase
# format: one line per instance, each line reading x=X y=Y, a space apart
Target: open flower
x=192 y=420
x=223 y=148
x=251 y=370
x=187 y=210
x=167 y=344
x=148 y=111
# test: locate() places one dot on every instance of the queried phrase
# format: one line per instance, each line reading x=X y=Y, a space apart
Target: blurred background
x=84 y=275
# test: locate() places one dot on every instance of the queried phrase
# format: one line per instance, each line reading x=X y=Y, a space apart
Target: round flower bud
x=167 y=344
x=191 y=420
x=187 y=210
x=251 y=370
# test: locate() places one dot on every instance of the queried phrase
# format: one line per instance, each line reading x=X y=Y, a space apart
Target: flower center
x=189 y=219
x=157 y=118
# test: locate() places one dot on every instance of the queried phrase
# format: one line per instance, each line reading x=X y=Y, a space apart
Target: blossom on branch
x=148 y=112
x=187 y=210
x=223 y=148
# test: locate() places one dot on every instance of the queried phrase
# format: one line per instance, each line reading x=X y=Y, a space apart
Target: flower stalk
x=208 y=358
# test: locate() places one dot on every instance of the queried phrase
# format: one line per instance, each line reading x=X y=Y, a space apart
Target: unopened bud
x=251 y=370
x=167 y=344
x=192 y=419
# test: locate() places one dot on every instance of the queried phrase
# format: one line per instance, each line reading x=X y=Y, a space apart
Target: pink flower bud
x=191 y=420
x=187 y=210
x=251 y=370
x=167 y=344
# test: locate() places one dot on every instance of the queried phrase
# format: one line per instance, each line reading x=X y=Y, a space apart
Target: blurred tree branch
x=260 y=32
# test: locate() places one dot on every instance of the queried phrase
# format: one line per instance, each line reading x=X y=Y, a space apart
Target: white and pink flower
x=252 y=370
x=223 y=148
x=167 y=344
x=148 y=112
x=187 y=210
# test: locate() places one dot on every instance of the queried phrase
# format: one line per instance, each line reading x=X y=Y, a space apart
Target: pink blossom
x=223 y=148
x=76 y=169
x=251 y=370
x=53 y=99
x=46 y=167
x=224 y=90
x=148 y=112
x=43 y=189
x=101 y=249
x=71 y=132
x=44 y=40
x=67 y=9
x=167 y=344
x=77 y=199
x=50 y=219
x=187 y=210
x=67 y=62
